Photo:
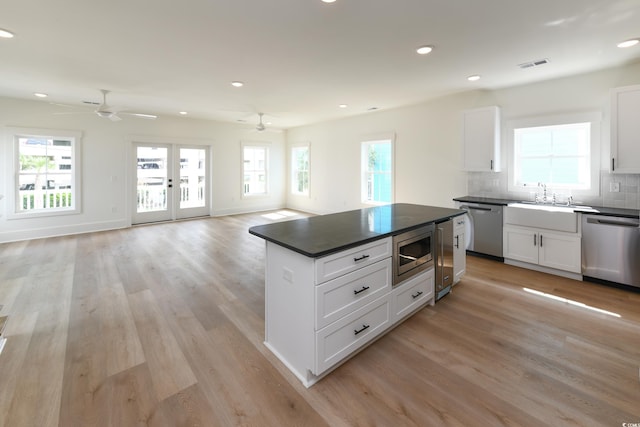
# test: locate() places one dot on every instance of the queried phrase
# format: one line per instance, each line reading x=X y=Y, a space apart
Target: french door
x=171 y=182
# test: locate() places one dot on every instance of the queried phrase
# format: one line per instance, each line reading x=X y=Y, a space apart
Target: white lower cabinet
x=315 y=317
x=557 y=250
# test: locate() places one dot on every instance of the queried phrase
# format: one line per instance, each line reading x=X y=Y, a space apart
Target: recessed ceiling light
x=41 y=95
x=6 y=34
x=237 y=84
x=423 y=50
x=343 y=105
x=629 y=43
x=183 y=113
x=473 y=78
x=328 y=1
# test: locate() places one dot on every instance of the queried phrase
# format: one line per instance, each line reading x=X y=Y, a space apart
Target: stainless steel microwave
x=412 y=253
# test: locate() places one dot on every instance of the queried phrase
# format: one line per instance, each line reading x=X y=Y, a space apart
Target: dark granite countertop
x=325 y=234
x=485 y=200
x=595 y=210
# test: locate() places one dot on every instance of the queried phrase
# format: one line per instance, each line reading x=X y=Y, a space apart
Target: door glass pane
x=152 y=179
x=192 y=177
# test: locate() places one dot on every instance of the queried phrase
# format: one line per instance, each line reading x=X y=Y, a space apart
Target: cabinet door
x=520 y=244
x=560 y=251
x=459 y=257
x=625 y=130
x=481 y=140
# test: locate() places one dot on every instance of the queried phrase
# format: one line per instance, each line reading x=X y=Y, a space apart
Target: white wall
x=106 y=153
x=428 y=141
x=427 y=151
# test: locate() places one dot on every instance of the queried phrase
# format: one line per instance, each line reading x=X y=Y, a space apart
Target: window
x=560 y=152
x=377 y=171
x=300 y=170
x=46 y=172
x=255 y=163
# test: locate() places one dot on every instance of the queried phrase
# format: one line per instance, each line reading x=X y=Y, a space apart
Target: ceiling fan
x=106 y=111
x=260 y=127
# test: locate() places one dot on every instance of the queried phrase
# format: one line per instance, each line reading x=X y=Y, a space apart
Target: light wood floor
x=162 y=325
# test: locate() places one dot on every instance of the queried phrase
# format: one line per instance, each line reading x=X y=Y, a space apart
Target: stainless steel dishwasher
x=485 y=229
x=611 y=249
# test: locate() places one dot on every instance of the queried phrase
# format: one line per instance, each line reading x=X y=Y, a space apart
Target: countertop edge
x=597 y=210
x=341 y=247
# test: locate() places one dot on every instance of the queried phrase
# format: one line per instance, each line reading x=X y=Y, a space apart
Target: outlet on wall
x=614 y=187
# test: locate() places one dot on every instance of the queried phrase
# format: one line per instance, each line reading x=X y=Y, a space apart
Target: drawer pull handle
x=361 y=258
x=364 y=328
x=364 y=288
x=416 y=295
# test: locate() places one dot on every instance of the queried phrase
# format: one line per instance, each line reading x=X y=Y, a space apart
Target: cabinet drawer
x=344 y=262
x=415 y=292
x=339 y=297
x=338 y=340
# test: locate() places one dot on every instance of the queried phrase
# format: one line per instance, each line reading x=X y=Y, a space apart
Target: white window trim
x=595 y=118
x=306 y=145
x=12 y=167
x=384 y=136
x=257 y=144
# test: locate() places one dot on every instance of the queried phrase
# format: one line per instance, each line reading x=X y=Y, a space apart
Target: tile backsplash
x=492 y=184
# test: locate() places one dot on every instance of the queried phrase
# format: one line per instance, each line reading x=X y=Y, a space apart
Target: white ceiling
x=299 y=59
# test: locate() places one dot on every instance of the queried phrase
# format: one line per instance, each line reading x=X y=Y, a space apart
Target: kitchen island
x=328 y=283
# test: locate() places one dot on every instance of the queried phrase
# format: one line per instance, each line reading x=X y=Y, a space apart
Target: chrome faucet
x=544 y=192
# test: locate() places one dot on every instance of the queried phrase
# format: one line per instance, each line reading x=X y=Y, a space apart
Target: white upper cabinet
x=625 y=130
x=481 y=140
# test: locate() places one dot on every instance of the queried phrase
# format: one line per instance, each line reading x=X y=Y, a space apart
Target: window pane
x=300 y=170
x=192 y=177
x=45 y=175
x=255 y=171
x=377 y=161
x=556 y=155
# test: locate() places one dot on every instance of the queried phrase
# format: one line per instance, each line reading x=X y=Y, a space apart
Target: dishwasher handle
x=618 y=223
x=475 y=208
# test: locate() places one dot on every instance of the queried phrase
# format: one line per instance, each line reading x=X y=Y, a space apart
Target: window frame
x=294 y=170
x=261 y=145
x=364 y=169
x=593 y=118
x=76 y=172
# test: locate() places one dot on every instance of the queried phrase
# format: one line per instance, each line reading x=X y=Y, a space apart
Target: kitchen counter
x=595 y=210
x=325 y=234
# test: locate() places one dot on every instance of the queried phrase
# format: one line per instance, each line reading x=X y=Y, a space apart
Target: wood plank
x=171 y=372
x=163 y=325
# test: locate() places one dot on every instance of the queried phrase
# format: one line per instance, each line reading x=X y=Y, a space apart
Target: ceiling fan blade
x=115 y=118
x=140 y=115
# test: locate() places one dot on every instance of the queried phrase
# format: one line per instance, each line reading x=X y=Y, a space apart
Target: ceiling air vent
x=533 y=63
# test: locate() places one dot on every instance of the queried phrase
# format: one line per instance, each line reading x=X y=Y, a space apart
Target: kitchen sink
x=551 y=217
x=552 y=208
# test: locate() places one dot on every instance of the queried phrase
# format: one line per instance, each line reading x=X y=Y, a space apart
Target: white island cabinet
x=320 y=311
x=329 y=288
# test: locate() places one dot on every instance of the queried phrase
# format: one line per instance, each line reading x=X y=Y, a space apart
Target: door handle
x=541 y=240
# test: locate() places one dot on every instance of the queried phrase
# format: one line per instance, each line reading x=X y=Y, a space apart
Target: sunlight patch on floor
x=570 y=302
x=280 y=215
